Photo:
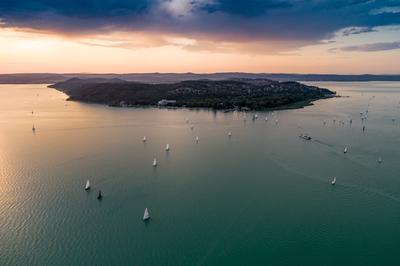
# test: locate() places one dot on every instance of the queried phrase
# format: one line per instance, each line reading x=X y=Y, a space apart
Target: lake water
x=261 y=197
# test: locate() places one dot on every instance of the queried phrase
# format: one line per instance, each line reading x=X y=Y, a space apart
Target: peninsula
x=236 y=93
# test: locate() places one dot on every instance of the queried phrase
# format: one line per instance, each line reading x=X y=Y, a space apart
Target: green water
x=261 y=197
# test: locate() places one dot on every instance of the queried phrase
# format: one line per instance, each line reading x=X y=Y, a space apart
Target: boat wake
x=325 y=180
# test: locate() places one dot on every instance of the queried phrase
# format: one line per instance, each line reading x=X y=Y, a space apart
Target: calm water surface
x=261 y=197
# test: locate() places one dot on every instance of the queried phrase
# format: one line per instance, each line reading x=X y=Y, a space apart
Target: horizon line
x=195 y=73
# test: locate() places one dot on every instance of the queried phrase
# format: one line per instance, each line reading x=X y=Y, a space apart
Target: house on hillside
x=165 y=102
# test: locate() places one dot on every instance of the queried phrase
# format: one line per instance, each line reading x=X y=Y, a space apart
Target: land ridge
x=237 y=93
x=48 y=78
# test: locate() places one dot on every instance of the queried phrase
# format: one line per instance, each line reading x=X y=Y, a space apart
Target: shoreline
x=292 y=106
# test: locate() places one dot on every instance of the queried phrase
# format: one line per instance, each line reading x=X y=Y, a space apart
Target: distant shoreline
x=156 y=78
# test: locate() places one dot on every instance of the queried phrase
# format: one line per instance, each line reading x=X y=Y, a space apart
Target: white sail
x=197 y=139
x=155 y=162
x=167 y=147
x=146 y=215
x=380 y=160
x=87 y=185
x=230 y=134
x=345 y=150
x=333 y=181
x=144 y=139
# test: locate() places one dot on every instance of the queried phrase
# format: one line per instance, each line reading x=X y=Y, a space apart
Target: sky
x=203 y=36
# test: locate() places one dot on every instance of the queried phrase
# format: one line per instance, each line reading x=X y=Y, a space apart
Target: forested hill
x=221 y=94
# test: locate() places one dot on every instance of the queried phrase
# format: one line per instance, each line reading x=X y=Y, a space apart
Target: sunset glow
x=200 y=36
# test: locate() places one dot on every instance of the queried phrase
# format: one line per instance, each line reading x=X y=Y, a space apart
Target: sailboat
x=87 y=187
x=99 y=196
x=266 y=119
x=144 y=138
x=345 y=150
x=197 y=139
x=276 y=121
x=146 y=215
x=167 y=147
x=229 y=134
x=33 y=128
x=380 y=160
x=333 y=181
x=155 y=162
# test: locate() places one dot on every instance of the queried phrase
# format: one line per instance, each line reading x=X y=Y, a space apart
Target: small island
x=238 y=94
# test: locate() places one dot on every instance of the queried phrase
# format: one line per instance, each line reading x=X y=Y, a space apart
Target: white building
x=164 y=102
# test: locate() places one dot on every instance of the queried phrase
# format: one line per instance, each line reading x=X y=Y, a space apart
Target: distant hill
x=48 y=78
x=217 y=94
x=76 y=83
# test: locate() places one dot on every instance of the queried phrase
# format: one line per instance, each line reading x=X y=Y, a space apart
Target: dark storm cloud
x=300 y=21
x=245 y=7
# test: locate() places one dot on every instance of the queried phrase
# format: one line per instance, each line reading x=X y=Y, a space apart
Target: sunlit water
x=261 y=197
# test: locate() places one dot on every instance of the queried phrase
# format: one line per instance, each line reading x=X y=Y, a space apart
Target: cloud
x=247 y=8
x=356 y=30
x=290 y=23
x=183 y=8
x=370 y=47
x=386 y=9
